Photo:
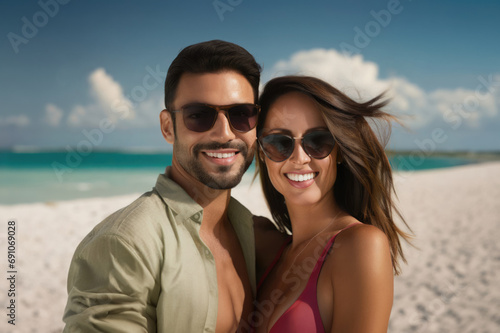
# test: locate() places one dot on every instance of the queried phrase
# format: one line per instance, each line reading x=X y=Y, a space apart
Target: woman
x=328 y=182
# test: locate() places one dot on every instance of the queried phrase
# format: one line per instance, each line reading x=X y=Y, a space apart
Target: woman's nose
x=299 y=156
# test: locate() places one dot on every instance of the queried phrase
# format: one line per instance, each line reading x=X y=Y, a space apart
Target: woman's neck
x=311 y=220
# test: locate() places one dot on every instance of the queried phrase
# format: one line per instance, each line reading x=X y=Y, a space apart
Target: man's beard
x=221 y=180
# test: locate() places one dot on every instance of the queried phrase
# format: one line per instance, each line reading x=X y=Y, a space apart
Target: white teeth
x=221 y=155
x=299 y=177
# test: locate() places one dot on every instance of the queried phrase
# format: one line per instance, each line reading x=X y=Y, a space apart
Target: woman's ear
x=167 y=126
x=339 y=157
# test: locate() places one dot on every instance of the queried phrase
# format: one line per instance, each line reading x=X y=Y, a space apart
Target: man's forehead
x=220 y=88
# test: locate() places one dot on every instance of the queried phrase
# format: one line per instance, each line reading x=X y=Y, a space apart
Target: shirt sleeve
x=110 y=288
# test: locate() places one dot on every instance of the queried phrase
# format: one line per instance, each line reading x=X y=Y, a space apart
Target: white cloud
x=18 y=121
x=109 y=94
x=77 y=116
x=352 y=75
x=108 y=102
x=148 y=112
x=360 y=80
x=466 y=104
x=53 y=115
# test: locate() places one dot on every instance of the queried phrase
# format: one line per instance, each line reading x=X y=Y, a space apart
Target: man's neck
x=214 y=202
x=215 y=214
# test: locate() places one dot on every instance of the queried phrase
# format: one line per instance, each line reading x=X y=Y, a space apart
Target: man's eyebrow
x=192 y=102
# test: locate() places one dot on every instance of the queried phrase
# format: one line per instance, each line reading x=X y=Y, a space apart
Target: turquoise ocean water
x=27 y=177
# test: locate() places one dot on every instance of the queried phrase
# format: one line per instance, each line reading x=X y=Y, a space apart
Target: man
x=181 y=258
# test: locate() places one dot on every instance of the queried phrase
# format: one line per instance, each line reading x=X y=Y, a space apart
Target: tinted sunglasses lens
x=277 y=147
x=243 y=117
x=199 y=118
x=318 y=144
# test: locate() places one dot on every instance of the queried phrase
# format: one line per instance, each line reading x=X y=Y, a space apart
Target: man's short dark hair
x=211 y=57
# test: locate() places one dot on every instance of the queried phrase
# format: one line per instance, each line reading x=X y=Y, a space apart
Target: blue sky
x=68 y=65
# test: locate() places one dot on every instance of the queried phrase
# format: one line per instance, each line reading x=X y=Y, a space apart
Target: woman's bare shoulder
x=361 y=247
x=362 y=234
x=361 y=275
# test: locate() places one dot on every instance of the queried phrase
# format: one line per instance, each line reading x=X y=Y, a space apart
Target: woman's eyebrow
x=288 y=132
x=278 y=130
x=319 y=128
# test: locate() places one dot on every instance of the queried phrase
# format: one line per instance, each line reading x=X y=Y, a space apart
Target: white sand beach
x=450 y=284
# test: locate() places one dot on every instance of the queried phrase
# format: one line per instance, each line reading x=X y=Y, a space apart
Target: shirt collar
x=176 y=198
x=182 y=204
x=240 y=217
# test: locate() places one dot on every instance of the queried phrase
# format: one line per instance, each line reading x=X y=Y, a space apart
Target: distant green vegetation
x=474 y=155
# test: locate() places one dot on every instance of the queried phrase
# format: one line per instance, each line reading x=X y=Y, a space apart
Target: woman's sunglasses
x=279 y=147
x=200 y=117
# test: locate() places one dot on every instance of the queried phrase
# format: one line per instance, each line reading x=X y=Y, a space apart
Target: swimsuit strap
x=319 y=263
x=270 y=267
x=324 y=254
x=304 y=315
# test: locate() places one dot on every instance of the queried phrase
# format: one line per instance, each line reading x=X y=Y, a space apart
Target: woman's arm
x=363 y=280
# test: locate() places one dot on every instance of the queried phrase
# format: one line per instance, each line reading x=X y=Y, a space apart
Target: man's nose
x=222 y=129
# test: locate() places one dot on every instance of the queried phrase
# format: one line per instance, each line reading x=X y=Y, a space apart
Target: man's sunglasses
x=200 y=117
x=279 y=147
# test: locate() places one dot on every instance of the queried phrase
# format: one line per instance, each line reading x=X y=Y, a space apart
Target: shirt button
x=207 y=253
x=196 y=217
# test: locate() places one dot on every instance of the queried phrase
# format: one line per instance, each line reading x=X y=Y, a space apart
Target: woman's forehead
x=294 y=109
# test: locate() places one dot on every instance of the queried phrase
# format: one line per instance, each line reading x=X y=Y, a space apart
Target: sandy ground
x=450 y=284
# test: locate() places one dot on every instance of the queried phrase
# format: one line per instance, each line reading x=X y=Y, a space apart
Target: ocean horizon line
x=134 y=150
x=154 y=159
x=168 y=150
x=49 y=176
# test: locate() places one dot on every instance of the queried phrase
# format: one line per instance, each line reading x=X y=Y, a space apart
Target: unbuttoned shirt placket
x=210 y=269
x=188 y=216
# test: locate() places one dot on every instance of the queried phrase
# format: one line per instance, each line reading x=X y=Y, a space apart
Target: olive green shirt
x=146 y=269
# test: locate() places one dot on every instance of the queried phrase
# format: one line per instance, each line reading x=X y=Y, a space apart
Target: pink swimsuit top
x=303 y=315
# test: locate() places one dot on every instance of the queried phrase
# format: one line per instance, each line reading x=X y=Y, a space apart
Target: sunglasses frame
x=293 y=147
x=220 y=108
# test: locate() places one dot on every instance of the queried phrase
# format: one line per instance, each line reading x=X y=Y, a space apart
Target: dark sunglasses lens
x=277 y=147
x=319 y=144
x=243 y=117
x=199 y=118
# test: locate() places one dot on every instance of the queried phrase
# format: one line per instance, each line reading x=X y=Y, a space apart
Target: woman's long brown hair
x=364 y=184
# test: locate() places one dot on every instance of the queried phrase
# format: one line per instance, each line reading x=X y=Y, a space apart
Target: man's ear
x=167 y=126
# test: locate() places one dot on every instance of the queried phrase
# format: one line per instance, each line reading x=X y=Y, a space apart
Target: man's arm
x=110 y=289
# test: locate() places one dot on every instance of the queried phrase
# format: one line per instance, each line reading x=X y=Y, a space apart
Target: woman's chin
x=306 y=199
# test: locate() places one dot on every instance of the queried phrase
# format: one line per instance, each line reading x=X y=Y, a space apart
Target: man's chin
x=222 y=181
x=220 y=177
